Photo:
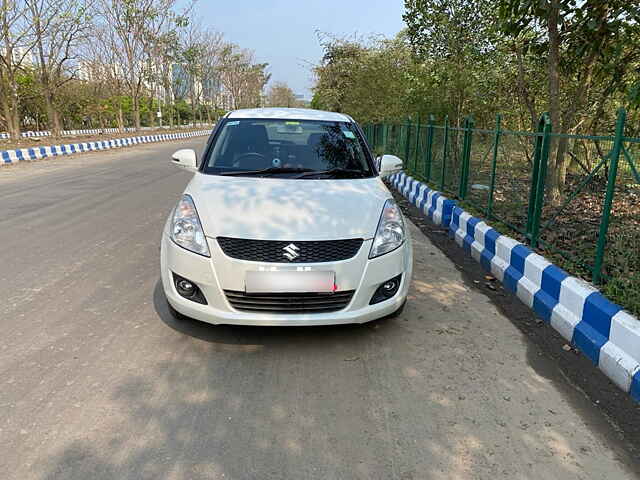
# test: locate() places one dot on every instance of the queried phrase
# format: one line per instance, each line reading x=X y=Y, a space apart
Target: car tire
x=174 y=313
x=398 y=311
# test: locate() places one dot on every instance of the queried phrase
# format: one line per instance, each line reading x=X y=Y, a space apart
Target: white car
x=286 y=221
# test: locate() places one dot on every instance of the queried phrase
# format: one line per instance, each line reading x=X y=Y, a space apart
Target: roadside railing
x=592 y=228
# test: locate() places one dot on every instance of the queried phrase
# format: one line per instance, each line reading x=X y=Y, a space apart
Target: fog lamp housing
x=386 y=290
x=188 y=289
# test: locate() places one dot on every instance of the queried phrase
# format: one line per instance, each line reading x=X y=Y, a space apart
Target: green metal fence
x=592 y=229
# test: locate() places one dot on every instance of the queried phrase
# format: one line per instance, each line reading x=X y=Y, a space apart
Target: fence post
x=466 y=158
x=494 y=162
x=415 y=156
x=465 y=125
x=427 y=161
x=407 y=145
x=385 y=137
x=445 y=150
x=538 y=179
x=534 y=175
x=608 y=199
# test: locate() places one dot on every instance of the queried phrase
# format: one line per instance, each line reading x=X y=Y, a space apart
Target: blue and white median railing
x=8 y=157
x=599 y=328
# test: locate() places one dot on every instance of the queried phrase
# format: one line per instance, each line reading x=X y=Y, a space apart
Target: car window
x=251 y=144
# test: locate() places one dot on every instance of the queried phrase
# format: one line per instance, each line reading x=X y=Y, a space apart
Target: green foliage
x=625 y=291
x=281 y=95
x=598 y=54
x=449 y=29
x=371 y=81
x=481 y=57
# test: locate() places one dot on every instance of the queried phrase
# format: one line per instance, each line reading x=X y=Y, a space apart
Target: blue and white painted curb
x=94 y=131
x=47 y=133
x=599 y=328
x=432 y=204
x=8 y=157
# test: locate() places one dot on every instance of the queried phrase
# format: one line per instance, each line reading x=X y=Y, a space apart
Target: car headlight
x=186 y=229
x=390 y=232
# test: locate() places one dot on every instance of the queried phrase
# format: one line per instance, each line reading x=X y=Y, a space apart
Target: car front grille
x=272 y=251
x=289 y=302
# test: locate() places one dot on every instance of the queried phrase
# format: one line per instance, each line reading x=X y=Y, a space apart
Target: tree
x=15 y=49
x=192 y=53
x=58 y=27
x=590 y=48
x=372 y=80
x=242 y=78
x=101 y=69
x=280 y=95
x=213 y=43
x=133 y=28
x=454 y=38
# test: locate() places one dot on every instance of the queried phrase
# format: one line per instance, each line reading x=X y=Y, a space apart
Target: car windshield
x=289 y=149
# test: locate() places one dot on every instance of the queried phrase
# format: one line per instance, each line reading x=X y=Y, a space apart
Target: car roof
x=290 y=114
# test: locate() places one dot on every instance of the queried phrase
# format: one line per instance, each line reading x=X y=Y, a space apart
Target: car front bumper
x=218 y=273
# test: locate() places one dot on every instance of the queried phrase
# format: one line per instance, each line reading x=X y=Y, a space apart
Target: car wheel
x=398 y=311
x=174 y=313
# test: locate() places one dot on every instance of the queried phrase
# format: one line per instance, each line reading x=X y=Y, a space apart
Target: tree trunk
x=14 y=114
x=52 y=114
x=523 y=91
x=553 y=61
x=152 y=113
x=193 y=105
x=57 y=125
x=120 y=118
x=6 y=109
x=136 y=112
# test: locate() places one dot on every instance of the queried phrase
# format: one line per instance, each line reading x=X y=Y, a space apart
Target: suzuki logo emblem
x=291 y=252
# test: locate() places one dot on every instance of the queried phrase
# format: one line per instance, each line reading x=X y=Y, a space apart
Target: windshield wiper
x=268 y=171
x=333 y=171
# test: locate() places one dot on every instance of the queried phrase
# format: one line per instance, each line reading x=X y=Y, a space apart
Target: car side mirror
x=389 y=164
x=185 y=158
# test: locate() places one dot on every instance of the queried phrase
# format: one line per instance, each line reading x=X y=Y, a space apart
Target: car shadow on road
x=379 y=400
x=240 y=402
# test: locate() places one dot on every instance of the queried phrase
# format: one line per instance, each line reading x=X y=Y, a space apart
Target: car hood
x=288 y=209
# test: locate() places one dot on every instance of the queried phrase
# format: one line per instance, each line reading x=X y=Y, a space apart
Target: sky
x=283 y=32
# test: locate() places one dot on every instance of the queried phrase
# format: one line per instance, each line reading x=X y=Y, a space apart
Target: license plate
x=290 y=282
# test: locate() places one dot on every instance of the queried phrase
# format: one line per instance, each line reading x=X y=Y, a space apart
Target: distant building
x=167 y=83
x=22 y=56
x=302 y=101
x=179 y=81
x=92 y=71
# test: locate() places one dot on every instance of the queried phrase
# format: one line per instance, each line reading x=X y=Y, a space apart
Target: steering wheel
x=252 y=156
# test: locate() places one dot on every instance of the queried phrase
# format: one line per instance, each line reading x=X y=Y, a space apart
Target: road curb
x=91 y=131
x=435 y=206
x=9 y=157
x=599 y=328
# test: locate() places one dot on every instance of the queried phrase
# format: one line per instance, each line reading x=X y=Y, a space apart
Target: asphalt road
x=97 y=381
